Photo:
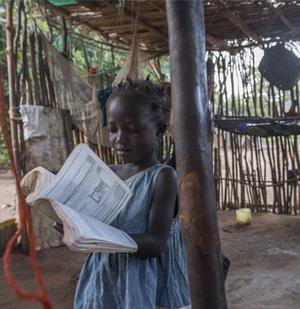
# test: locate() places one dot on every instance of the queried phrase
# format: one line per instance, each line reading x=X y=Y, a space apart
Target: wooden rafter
x=236 y=20
x=77 y=21
x=293 y=31
x=277 y=13
x=215 y=43
x=160 y=6
x=115 y=24
x=95 y=7
x=132 y=15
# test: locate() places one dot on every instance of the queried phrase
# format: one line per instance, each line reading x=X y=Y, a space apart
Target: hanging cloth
x=132 y=64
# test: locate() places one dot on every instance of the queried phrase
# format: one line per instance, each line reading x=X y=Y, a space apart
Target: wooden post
x=11 y=81
x=193 y=153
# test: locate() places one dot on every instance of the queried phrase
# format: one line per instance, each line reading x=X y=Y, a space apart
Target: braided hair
x=149 y=93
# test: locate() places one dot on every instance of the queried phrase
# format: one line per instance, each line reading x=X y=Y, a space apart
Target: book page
x=85 y=183
x=86 y=234
x=34 y=182
x=45 y=206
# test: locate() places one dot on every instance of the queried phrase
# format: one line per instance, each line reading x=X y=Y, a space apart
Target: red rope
x=25 y=220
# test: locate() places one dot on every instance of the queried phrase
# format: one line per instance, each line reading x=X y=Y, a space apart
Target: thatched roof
x=228 y=22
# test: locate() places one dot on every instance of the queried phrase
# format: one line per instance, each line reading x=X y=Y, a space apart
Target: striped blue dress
x=125 y=281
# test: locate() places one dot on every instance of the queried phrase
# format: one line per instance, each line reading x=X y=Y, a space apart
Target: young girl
x=155 y=276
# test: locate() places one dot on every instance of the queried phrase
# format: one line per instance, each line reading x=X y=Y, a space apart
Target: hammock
x=74 y=93
x=263 y=127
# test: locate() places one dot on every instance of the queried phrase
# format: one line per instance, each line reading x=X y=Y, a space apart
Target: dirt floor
x=264 y=273
x=7 y=194
x=265 y=261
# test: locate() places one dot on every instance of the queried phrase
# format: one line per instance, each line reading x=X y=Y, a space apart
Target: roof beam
x=160 y=6
x=277 y=12
x=215 y=43
x=235 y=19
x=132 y=15
x=293 y=32
x=77 y=21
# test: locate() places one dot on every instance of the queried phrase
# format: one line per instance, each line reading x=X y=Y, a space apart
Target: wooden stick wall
x=31 y=83
x=262 y=173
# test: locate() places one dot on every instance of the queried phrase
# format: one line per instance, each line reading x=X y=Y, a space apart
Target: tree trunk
x=192 y=131
x=11 y=81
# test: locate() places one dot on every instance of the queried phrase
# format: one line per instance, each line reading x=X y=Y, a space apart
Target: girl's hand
x=58 y=227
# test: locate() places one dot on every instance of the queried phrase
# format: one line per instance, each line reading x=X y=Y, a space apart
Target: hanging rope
x=25 y=220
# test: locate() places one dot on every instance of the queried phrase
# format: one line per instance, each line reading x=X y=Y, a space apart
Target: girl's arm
x=151 y=244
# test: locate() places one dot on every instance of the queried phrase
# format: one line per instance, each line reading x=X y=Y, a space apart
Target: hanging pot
x=280 y=66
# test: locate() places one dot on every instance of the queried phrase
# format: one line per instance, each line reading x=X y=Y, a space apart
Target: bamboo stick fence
x=262 y=173
x=31 y=83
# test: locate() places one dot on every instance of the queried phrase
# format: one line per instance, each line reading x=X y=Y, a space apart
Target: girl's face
x=132 y=129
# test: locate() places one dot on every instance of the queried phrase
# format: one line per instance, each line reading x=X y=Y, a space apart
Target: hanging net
x=131 y=66
x=74 y=93
x=263 y=127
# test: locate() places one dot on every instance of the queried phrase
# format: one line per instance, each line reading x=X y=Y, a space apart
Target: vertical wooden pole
x=65 y=37
x=11 y=81
x=192 y=133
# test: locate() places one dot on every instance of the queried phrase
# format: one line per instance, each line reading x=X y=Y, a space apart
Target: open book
x=85 y=196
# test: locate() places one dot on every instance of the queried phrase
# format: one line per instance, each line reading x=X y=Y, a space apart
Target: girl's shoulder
x=165 y=173
x=158 y=170
x=166 y=169
x=164 y=179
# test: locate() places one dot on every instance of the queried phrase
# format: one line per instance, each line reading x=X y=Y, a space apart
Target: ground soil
x=265 y=261
x=7 y=194
x=264 y=272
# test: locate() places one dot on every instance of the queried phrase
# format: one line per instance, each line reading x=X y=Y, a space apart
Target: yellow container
x=243 y=216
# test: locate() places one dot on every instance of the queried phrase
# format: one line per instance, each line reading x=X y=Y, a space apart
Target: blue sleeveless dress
x=125 y=281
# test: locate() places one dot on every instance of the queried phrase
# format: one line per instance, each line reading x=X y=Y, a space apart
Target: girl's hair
x=149 y=93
